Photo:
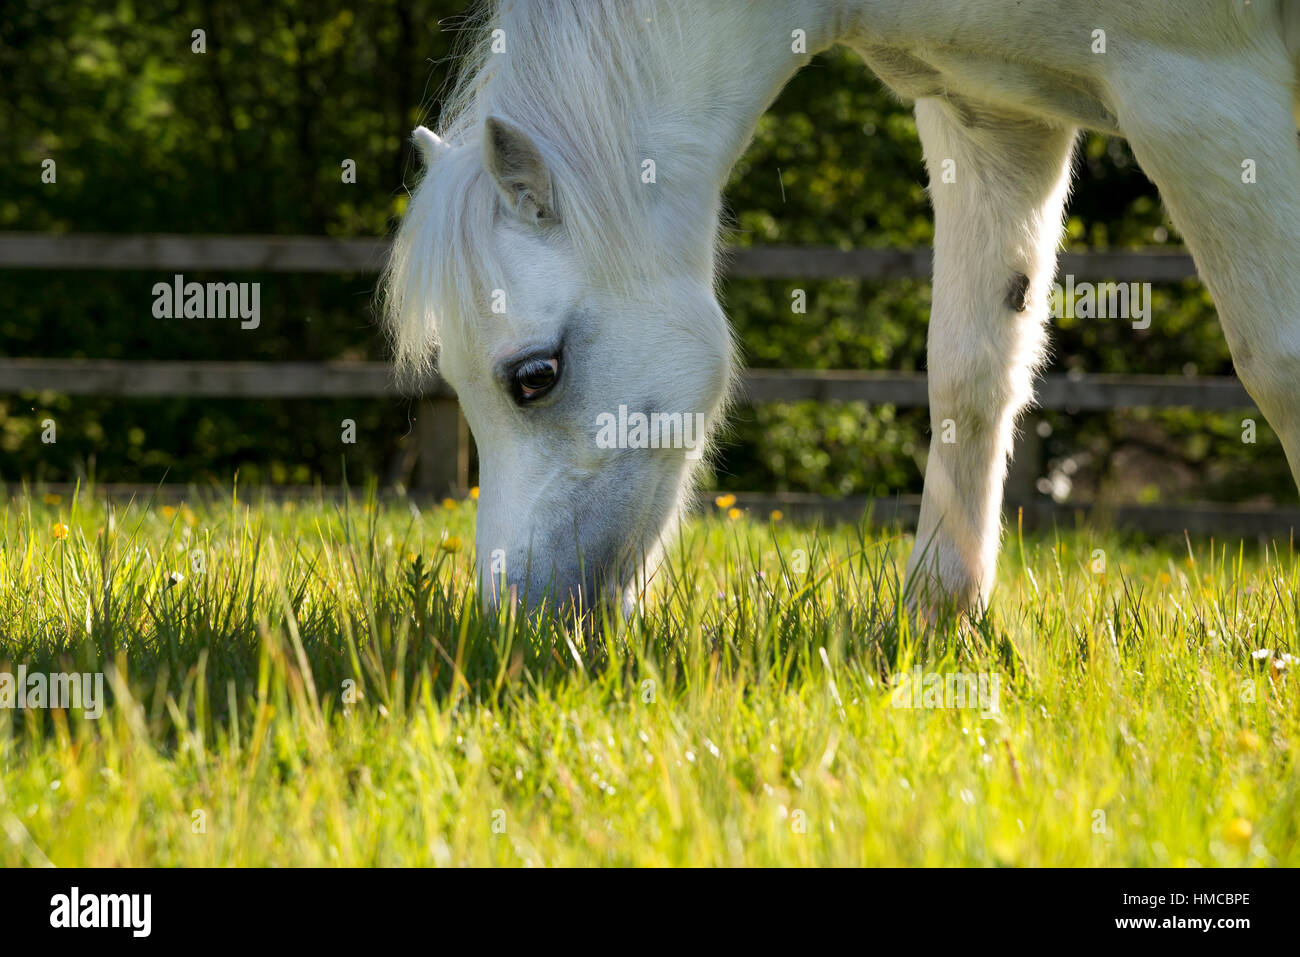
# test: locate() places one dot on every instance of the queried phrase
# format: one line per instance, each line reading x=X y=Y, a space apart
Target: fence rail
x=330 y=255
x=440 y=454
x=310 y=380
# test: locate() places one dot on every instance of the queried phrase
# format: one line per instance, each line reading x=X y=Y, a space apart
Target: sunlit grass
x=314 y=683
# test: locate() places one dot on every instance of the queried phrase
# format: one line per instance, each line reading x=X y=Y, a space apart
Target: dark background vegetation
x=249 y=138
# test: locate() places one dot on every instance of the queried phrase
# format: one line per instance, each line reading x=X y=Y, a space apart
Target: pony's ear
x=519 y=171
x=429 y=143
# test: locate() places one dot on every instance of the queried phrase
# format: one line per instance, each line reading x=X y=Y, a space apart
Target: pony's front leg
x=998 y=186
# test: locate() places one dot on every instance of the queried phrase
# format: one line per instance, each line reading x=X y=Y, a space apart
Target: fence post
x=1026 y=465
x=443 y=466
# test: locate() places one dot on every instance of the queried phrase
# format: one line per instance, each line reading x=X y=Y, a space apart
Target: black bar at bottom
x=940 y=907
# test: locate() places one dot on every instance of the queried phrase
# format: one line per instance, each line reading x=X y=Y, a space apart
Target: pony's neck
x=737 y=59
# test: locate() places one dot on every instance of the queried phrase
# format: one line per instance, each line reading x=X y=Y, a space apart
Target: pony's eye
x=535 y=378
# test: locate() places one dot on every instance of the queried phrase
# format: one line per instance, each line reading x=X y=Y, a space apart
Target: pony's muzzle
x=558 y=589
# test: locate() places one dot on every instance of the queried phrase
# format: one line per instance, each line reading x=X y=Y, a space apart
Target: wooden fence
x=440 y=456
x=330 y=255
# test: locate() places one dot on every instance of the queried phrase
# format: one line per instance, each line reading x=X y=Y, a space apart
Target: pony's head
x=554 y=290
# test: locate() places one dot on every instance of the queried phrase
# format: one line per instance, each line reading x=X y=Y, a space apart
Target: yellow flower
x=1247 y=740
x=60 y=531
x=734 y=513
x=473 y=493
x=1238 y=831
x=450 y=544
x=725 y=501
x=168 y=511
x=777 y=515
x=448 y=503
x=53 y=498
x=188 y=515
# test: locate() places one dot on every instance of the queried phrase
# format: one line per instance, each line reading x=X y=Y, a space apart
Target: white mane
x=578 y=77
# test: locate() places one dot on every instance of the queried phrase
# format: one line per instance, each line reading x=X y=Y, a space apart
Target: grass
x=323 y=690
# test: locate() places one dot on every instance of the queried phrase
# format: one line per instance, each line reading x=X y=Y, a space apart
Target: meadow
x=315 y=683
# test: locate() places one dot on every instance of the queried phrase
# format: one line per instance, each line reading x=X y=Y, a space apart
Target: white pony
x=559 y=257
